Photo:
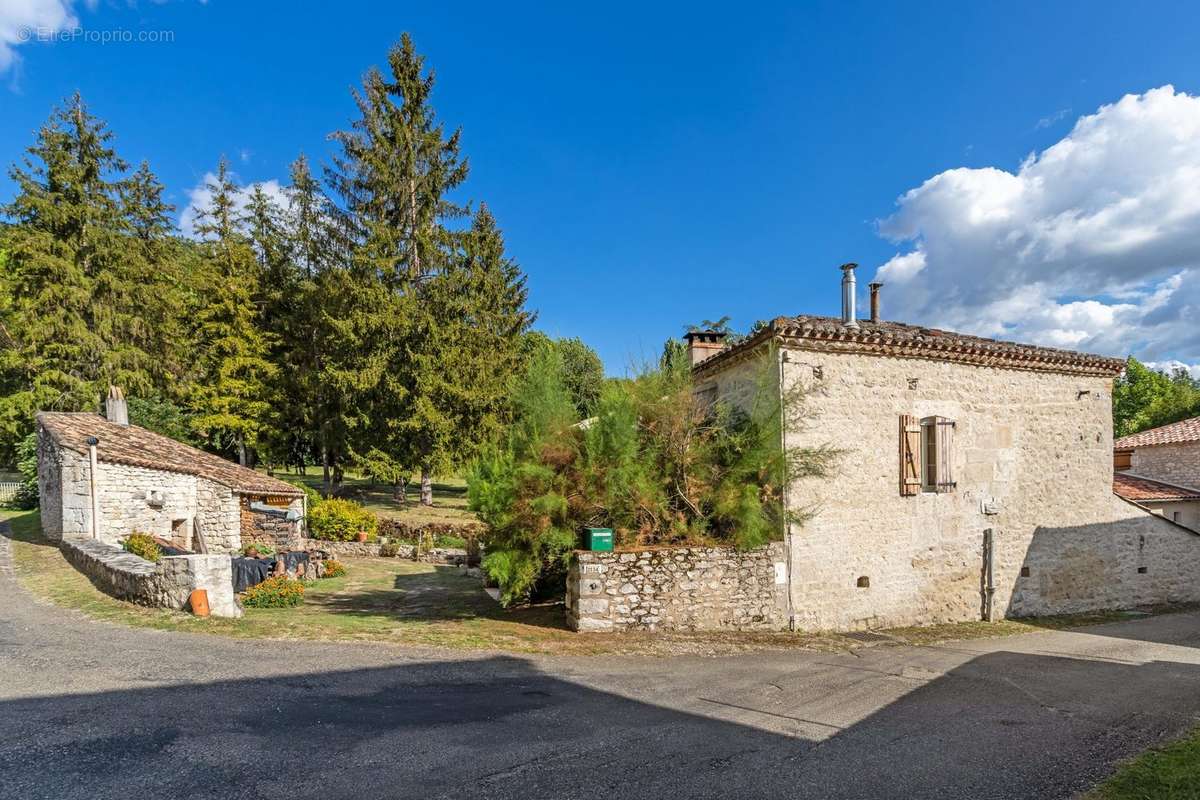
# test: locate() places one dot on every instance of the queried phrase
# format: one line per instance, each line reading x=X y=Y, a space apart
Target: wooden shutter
x=945 y=450
x=910 y=455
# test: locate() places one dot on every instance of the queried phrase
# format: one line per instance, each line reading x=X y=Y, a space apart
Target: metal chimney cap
x=848 y=266
x=92 y=441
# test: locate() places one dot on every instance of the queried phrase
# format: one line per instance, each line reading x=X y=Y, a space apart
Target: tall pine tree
x=229 y=401
x=80 y=299
x=395 y=173
x=465 y=353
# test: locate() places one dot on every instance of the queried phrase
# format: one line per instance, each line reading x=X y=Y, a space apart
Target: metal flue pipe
x=849 y=291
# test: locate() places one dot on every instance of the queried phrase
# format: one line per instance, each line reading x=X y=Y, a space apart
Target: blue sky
x=653 y=165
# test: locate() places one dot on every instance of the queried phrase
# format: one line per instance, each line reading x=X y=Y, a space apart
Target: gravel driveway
x=90 y=710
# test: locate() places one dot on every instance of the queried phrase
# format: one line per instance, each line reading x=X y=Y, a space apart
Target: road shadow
x=1004 y=725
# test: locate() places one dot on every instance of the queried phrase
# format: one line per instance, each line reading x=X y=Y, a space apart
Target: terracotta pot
x=199 y=602
x=362 y=536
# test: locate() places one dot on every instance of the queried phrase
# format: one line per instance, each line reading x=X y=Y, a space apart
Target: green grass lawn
x=1171 y=772
x=449 y=497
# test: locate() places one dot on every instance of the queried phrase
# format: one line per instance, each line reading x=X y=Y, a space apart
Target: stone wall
x=1135 y=559
x=167 y=584
x=683 y=588
x=1172 y=463
x=437 y=555
x=277 y=527
x=1032 y=458
x=218 y=516
x=125 y=506
x=51 y=488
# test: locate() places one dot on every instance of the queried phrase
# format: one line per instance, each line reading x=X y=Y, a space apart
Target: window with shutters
x=926 y=455
x=937 y=445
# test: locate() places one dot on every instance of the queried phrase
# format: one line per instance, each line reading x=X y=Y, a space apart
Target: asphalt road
x=90 y=710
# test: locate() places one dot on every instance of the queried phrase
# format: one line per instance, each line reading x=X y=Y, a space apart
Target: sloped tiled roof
x=899 y=340
x=1187 y=430
x=138 y=447
x=1139 y=490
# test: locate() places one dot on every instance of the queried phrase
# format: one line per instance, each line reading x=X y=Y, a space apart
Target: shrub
x=278 y=592
x=653 y=463
x=26 y=496
x=340 y=521
x=389 y=549
x=334 y=569
x=143 y=546
x=260 y=551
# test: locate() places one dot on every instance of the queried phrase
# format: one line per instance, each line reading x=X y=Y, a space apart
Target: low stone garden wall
x=167 y=584
x=438 y=555
x=678 y=588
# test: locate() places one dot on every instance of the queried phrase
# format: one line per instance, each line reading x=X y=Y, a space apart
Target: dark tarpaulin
x=249 y=572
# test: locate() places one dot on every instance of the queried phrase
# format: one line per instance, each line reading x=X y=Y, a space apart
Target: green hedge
x=340 y=521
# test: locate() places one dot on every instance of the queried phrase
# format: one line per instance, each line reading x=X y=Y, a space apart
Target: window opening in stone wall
x=864 y=582
x=1024 y=572
x=937 y=446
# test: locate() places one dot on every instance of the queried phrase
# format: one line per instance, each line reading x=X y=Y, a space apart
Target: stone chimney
x=115 y=407
x=703 y=345
x=875 y=287
x=849 y=296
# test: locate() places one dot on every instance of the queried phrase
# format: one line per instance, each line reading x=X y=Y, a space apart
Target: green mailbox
x=597 y=539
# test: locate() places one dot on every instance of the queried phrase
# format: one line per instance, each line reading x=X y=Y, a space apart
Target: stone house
x=975 y=478
x=1160 y=468
x=102 y=479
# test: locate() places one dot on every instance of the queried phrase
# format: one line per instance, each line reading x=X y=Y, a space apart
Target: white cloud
x=24 y=21
x=1046 y=122
x=1092 y=244
x=1171 y=367
x=200 y=198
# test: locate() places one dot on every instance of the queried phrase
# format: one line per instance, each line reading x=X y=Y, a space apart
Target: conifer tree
x=230 y=399
x=465 y=353
x=394 y=174
x=74 y=320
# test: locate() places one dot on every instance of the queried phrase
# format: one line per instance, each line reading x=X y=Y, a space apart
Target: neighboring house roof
x=898 y=340
x=1187 y=430
x=1141 y=490
x=138 y=447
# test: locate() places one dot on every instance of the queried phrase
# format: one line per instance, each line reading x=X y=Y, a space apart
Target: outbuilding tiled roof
x=1140 y=490
x=1187 y=430
x=138 y=447
x=899 y=340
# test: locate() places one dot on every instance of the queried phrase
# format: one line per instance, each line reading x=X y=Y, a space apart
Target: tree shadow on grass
x=442 y=594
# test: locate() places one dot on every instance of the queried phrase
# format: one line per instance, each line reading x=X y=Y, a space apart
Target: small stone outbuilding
x=103 y=479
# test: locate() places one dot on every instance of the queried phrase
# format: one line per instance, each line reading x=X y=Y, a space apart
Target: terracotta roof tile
x=899 y=340
x=1187 y=430
x=138 y=447
x=1139 y=490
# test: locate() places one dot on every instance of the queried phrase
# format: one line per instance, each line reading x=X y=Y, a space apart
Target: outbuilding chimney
x=875 y=287
x=115 y=407
x=849 y=290
x=703 y=345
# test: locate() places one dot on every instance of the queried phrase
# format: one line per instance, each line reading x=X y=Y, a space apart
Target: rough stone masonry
x=678 y=588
